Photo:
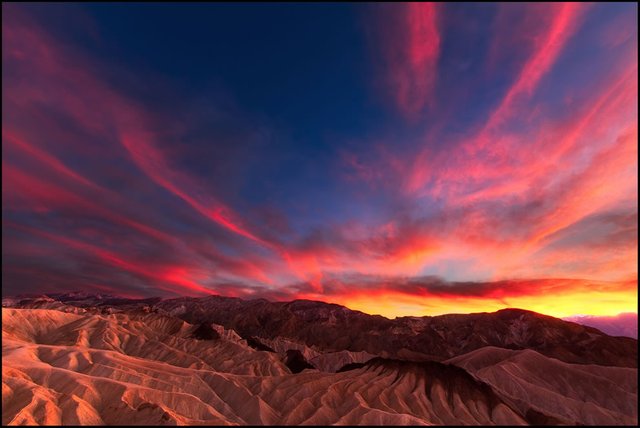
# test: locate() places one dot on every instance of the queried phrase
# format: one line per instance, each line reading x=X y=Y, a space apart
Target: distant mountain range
x=625 y=324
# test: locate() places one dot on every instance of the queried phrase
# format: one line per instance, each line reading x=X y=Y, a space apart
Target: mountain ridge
x=332 y=327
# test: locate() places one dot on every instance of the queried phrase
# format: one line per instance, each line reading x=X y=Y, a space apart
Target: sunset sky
x=399 y=159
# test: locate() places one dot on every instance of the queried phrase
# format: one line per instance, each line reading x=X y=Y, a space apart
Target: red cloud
x=549 y=44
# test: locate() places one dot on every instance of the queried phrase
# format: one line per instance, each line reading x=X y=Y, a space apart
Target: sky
x=398 y=159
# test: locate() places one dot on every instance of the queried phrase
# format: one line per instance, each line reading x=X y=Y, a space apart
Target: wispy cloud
x=410 y=39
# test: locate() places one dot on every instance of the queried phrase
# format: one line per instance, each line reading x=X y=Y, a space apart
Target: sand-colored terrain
x=568 y=393
x=147 y=368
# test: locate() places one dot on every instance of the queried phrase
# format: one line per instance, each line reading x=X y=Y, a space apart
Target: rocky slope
x=80 y=359
x=61 y=368
x=567 y=394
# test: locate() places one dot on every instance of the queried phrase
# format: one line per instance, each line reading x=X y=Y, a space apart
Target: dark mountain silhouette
x=332 y=327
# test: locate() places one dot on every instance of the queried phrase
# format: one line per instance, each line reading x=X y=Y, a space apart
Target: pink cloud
x=412 y=48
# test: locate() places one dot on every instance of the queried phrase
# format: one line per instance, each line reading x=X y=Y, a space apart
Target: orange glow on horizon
x=603 y=299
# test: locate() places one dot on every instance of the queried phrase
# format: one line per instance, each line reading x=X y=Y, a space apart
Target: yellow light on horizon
x=574 y=302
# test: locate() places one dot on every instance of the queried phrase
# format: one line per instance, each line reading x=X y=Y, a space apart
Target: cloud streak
x=412 y=49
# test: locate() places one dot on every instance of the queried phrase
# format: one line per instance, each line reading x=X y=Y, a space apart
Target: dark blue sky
x=282 y=150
